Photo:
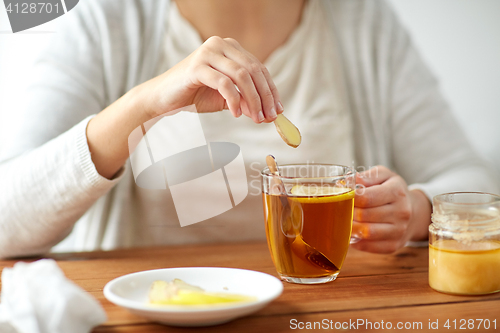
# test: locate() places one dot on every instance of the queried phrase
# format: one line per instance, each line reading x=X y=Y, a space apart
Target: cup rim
x=351 y=171
x=440 y=199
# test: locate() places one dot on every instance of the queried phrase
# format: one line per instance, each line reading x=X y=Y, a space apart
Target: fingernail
x=280 y=107
x=238 y=113
x=261 y=116
x=272 y=113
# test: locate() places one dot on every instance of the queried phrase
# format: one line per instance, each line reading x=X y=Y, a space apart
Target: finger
x=374 y=176
x=233 y=42
x=378 y=195
x=236 y=114
x=265 y=93
x=256 y=71
x=223 y=84
x=378 y=246
x=378 y=231
x=247 y=88
x=274 y=90
x=397 y=212
x=245 y=108
x=382 y=213
x=243 y=80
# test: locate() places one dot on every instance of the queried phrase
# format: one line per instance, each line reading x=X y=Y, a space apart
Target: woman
x=345 y=72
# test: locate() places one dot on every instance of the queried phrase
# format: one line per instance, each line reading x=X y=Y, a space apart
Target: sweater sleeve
x=47 y=178
x=45 y=191
x=429 y=148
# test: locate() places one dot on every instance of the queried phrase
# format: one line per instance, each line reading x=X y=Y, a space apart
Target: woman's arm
x=47 y=178
x=429 y=150
x=45 y=191
x=220 y=74
x=49 y=188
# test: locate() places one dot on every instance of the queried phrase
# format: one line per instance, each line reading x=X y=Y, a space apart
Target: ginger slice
x=288 y=131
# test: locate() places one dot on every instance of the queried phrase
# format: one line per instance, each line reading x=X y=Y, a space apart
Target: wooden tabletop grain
x=371 y=292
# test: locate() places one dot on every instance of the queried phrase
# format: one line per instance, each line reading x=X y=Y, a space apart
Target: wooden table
x=370 y=288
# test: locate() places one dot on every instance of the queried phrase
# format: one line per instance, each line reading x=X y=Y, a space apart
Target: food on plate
x=178 y=292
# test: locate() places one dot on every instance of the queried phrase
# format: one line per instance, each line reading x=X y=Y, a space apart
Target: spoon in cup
x=299 y=246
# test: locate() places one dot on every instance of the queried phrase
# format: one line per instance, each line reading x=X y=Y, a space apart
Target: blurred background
x=459 y=39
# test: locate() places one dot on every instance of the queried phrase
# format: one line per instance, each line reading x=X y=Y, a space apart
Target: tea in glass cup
x=308 y=211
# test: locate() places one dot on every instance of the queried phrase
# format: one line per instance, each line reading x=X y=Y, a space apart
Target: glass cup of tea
x=308 y=210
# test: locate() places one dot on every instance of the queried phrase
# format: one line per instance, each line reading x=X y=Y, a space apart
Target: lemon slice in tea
x=321 y=193
x=316 y=190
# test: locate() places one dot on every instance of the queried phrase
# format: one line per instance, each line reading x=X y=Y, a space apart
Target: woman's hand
x=220 y=74
x=387 y=214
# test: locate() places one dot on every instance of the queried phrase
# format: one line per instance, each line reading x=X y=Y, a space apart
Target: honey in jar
x=464 y=244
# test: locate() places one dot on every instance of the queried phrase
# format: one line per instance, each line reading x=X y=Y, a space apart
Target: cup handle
x=356 y=234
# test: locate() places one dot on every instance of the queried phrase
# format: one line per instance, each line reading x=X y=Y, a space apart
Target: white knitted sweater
x=104 y=48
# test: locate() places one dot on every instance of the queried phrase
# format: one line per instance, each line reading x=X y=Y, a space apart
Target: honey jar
x=464 y=243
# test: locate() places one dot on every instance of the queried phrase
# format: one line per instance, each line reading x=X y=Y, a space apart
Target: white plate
x=131 y=292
